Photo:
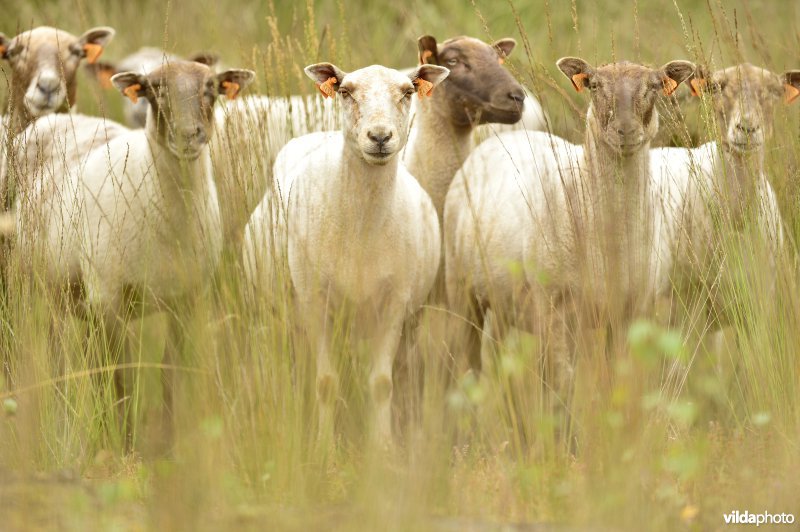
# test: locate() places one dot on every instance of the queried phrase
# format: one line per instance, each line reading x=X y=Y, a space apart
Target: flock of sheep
x=364 y=197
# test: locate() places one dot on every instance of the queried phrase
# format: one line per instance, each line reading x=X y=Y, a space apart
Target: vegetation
x=670 y=434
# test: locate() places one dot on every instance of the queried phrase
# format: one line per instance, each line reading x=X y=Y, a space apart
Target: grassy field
x=671 y=437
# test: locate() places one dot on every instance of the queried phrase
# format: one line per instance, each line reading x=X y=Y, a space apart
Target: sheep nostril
x=517 y=95
x=379 y=138
x=745 y=128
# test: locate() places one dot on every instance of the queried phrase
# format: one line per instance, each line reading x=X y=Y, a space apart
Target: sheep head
x=375 y=104
x=479 y=89
x=181 y=96
x=623 y=97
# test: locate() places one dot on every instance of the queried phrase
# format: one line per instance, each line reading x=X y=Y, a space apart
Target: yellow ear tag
x=424 y=88
x=132 y=92
x=577 y=81
x=326 y=88
x=790 y=93
x=231 y=89
x=698 y=84
x=501 y=60
x=93 y=52
x=424 y=56
x=669 y=86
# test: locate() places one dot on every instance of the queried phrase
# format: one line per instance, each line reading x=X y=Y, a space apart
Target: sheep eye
x=452 y=62
x=344 y=93
x=409 y=93
x=593 y=85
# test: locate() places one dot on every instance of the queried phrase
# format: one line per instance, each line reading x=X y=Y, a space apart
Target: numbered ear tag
x=790 y=93
x=697 y=84
x=669 y=86
x=231 y=89
x=132 y=92
x=424 y=88
x=577 y=81
x=326 y=88
x=93 y=52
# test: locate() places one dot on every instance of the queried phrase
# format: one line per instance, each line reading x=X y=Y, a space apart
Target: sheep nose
x=380 y=137
x=47 y=84
x=747 y=128
x=196 y=134
x=517 y=95
x=626 y=130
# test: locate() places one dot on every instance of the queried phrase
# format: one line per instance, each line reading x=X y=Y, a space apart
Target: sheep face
x=44 y=62
x=744 y=99
x=375 y=105
x=181 y=96
x=623 y=96
x=479 y=89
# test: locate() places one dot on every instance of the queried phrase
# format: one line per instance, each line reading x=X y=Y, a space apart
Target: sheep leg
x=327 y=388
x=114 y=343
x=173 y=350
x=380 y=382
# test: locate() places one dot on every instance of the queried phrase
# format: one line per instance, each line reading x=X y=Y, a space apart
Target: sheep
x=723 y=183
x=134 y=224
x=44 y=62
x=361 y=234
x=144 y=61
x=536 y=224
x=479 y=90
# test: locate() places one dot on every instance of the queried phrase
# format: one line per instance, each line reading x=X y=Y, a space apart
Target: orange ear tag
x=501 y=60
x=669 y=86
x=231 y=89
x=93 y=52
x=790 y=93
x=577 y=81
x=326 y=88
x=2 y=49
x=424 y=88
x=132 y=92
x=423 y=56
x=698 y=84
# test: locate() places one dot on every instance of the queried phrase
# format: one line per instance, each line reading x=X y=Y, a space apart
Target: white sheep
x=134 y=224
x=533 y=223
x=723 y=183
x=44 y=62
x=361 y=235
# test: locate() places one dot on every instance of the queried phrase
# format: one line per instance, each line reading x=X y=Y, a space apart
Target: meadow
x=671 y=435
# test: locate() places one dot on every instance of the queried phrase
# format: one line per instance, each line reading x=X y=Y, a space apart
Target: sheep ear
x=577 y=70
x=205 y=58
x=131 y=84
x=504 y=48
x=327 y=76
x=102 y=72
x=428 y=50
x=4 y=44
x=674 y=73
x=231 y=82
x=94 y=41
x=791 y=85
x=426 y=77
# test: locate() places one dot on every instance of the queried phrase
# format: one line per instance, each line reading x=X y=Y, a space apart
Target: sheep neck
x=612 y=178
x=737 y=179
x=437 y=149
x=180 y=181
x=361 y=190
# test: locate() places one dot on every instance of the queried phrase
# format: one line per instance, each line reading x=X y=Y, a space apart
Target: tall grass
x=671 y=434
